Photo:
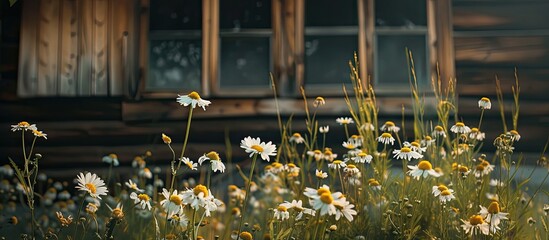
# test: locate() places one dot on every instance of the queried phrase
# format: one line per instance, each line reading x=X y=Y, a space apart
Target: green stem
x=247 y=194
x=480 y=121
x=184 y=147
x=78 y=217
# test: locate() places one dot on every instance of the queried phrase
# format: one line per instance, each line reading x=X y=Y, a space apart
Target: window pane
x=331 y=13
x=176 y=15
x=237 y=14
x=175 y=64
x=245 y=61
x=391 y=65
x=408 y=13
x=327 y=58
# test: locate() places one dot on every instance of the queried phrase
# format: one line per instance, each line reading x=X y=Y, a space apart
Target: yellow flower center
x=91 y=187
x=350 y=146
x=112 y=155
x=213 y=155
x=291 y=165
x=175 y=199
x=194 y=95
x=257 y=148
x=415 y=144
x=166 y=139
x=321 y=191
x=337 y=162
x=38 y=133
x=277 y=165
x=428 y=138
x=232 y=188
x=386 y=135
x=514 y=132
x=445 y=193
x=23 y=124
x=200 y=189
x=455 y=166
x=485 y=99
x=143 y=197
x=460 y=124
x=328 y=152
x=319 y=99
x=439 y=129
x=442 y=188
x=494 y=208
x=351 y=166
x=480 y=167
x=476 y=220
x=117 y=213
x=405 y=150
x=189 y=164
x=463 y=169
x=425 y=165
x=389 y=124
x=362 y=154
x=474 y=130
x=246 y=236
x=282 y=209
x=296 y=135
x=326 y=198
x=373 y=182
x=317 y=152
x=485 y=163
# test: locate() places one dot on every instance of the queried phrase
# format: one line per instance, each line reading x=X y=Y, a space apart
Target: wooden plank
x=48 y=44
x=100 y=49
x=69 y=50
x=502 y=51
x=85 y=48
x=28 y=64
x=120 y=13
x=481 y=81
x=520 y=15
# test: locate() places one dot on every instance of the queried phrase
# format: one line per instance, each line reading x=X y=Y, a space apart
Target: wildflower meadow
x=429 y=180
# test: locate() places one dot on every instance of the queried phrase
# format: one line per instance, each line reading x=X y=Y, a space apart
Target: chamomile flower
x=484 y=103
x=476 y=225
x=416 y=147
x=515 y=136
x=386 y=138
x=91 y=208
x=329 y=155
x=145 y=172
x=117 y=212
x=178 y=219
x=316 y=154
x=193 y=99
x=173 y=202
x=476 y=134
x=23 y=126
x=438 y=189
x=143 y=200
x=322 y=199
x=460 y=127
x=351 y=169
x=131 y=185
x=439 y=132
x=427 y=141
x=344 y=208
x=390 y=126
x=297 y=138
x=92 y=184
x=406 y=153
x=292 y=169
x=39 y=134
x=362 y=157
x=493 y=215
x=320 y=174
x=350 y=145
x=337 y=164
x=324 y=129
x=255 y=146
x=483 y=169
x=374 y=184
x=166 y=139
x=446 y=195
x=196 y=197
x=297 y=206
x=111 y=159
x=215 y=161
x=423 y=169
x=319 y=101
x=190 y=164
x=281 y=213
x=345 y=120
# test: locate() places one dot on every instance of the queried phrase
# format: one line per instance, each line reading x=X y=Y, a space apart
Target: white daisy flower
x=190 y=164
x=439 y=132
x=178 y=219
x=484 y=103
x=460 y=127
x=350 y=145
x=438 y=189
x=351 y=169
x=322 y=199
x=292 y=169
x=23 y=126
x=92 y=184
x=427 y=141
x=145 y=172
x=337 y=164
x=298 y=207
x=374 y=184
x=320 y=174
x=39 y=134
x=406 y=153
x=329 y=155
x=193 y=99
x=316 y=154
x=297 y=138
x=255 y=146
x=324 y=129
x=344 y=208
x=515 y=136
x=416 y=147
x=215 y=161
x=201 y=196
x=423 y=169
x=344 y=120
x=173 y=202
x=476 y=134
x=389 y=127
x=142 y=199
x=281 y=213
x=319 y=101
x=362 y=157
x=446 y=195
x=111 y=159
x=476 y=225
x=493 y=215
x=386 y=138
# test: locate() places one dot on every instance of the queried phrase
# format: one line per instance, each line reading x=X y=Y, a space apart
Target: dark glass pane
x=245 y=62
x=327 y=58
x=175 y=64
x=237 y=14
x=391 y=65
x=408 y=13
x=331 y=13
x=176 y=15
